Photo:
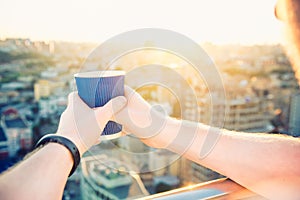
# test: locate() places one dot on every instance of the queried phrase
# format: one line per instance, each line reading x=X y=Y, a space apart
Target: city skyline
x=233 y=21
x=36 y=78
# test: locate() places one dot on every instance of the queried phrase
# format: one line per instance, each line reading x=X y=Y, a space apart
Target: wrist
x=59 y=150
x=166 y=135
x=75 y=138
x=66 y=143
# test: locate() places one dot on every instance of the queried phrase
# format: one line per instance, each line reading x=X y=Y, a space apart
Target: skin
x=267 y=164
x=44 y=174
x=264 y=163
x=47 y=176
x=288 y=12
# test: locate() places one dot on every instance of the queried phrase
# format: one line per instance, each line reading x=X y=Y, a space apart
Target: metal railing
x=223 y=188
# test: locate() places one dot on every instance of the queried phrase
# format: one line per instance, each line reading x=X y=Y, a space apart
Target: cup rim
x=98 y=74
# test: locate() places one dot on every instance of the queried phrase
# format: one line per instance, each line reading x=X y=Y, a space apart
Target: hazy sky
x=218 y=21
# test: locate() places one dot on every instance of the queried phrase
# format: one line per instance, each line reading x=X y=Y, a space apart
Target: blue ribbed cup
x=96 y=89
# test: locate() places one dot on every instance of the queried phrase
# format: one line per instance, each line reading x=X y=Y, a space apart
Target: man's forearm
x=42 y=176
x=261 y=162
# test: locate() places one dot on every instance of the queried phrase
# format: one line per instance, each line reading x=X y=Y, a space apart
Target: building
x=18 y=133
x=294 y=119
x=240 y=111
x=165 y=183
x=42 y=88
x=14 y=86
x=164 y=162
x=247 y=114
x=103 y=178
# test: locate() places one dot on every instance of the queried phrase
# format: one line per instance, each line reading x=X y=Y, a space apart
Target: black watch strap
x=65 y=142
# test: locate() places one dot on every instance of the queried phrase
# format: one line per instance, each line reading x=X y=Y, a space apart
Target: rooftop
x=15 y=123
x=109 y=177
x=167 y=179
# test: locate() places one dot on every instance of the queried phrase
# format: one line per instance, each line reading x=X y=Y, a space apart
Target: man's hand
x=82 y=124
x=142 y=120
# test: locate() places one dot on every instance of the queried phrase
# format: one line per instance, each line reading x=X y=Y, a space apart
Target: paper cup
x=96 y=88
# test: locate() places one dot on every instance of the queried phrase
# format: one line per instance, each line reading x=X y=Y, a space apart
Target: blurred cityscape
x=36 y=77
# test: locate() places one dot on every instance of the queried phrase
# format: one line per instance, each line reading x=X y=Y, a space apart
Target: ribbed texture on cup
x=96 y=92
x=112 y=127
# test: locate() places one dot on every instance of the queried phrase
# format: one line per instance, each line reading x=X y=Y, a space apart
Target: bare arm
x=44 y=174
x=264 y=163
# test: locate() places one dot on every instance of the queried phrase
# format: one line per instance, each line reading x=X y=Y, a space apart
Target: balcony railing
x=217 y=189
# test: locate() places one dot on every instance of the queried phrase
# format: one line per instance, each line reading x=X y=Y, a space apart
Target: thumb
x=106 y=112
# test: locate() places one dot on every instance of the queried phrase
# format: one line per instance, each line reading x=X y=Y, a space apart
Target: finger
x=77 y=102
x=71 y=99
x=134 y=97
x=106 y=112
x=131 y=93
x=128 y=90
x=98 y=141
